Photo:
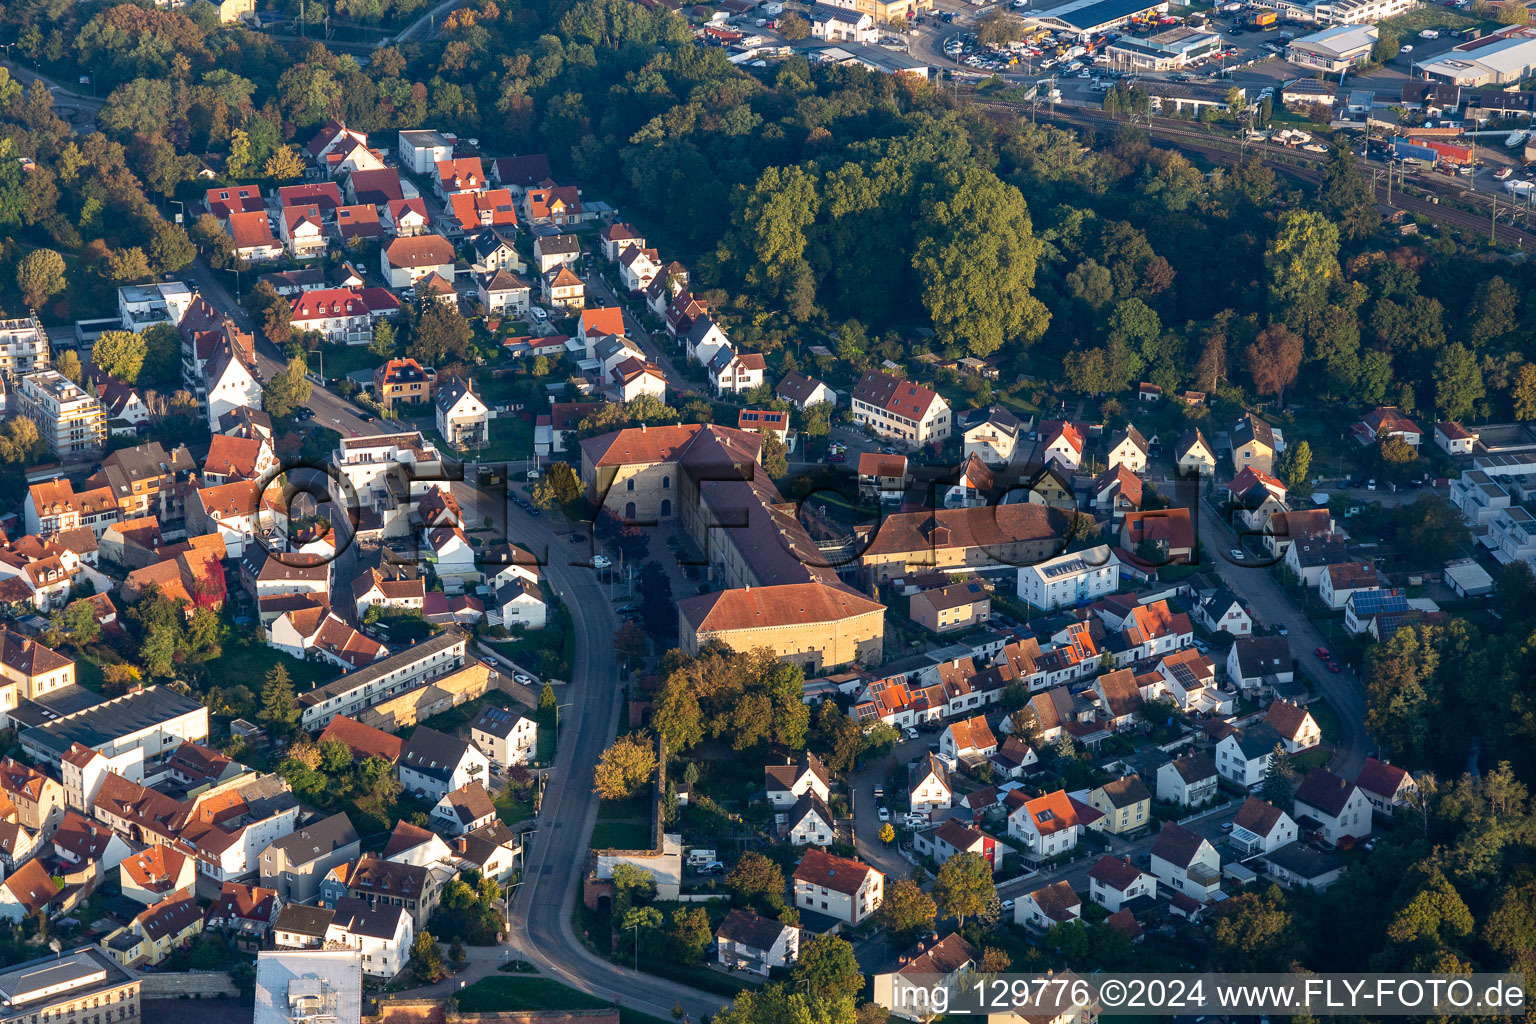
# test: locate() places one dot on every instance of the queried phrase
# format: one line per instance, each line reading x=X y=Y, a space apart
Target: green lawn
x=636 y=808
x=247 y=661
x=341 y=360
x=621 y=835
x=1436 y=17
x=513 y=993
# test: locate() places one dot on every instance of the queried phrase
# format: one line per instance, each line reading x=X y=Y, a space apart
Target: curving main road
x=556 y=860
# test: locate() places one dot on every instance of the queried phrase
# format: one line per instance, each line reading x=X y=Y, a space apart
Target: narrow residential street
x=1344 y=691
x=655 y=350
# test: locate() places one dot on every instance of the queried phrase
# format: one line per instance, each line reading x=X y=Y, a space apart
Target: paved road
x=655 y=350
x=80 y=111
x=557 y=858
x=1343 y=692
x=425 y=27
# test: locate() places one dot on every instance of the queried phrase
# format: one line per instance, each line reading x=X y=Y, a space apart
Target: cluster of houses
x=126 y=792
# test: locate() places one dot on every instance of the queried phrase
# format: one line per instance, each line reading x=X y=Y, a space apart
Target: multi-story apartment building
x=71 y=421
x=900 y=410
x=386 y=473
x=362 y=688
x=23 y=347
x=1074 y=578
x=142 y=306
x=76 y=986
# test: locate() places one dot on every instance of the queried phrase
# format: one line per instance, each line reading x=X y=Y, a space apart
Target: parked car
x=883 y=812
x=1333 y=667
x=601 y=562
x=1324 y=653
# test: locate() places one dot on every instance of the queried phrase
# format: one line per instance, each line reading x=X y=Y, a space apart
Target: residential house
x=324 y=195
x=403 y=382
x=457 y=176
x=1186 y=862
x=1160 y=537
x=363 y=740
x=846 y=890
x=156 y=932
x=471 y=212
x=1048 y=825
x=1116 y=491
x=551 y=251
x=1219 y=611
x=926 y=976
x=1260 y=828
x=413 y=888
x=560 y=288
x=786 y=783
x=809 y=821
x=406 y=218
x=245 y=910
x=882 y=476
x=463 y=810
x=126 y=411
x=613 y=239
x=1253 y=444
x=503 y=293
x=735 y=372
x=157 y=873
x=1194 y=454
x=422 y=150
x=17 y=844
x=253 y=237
x=221 y=202
x=294 y=865
x=71 y=421
x=302 y=230
x=973 y=484
x=747 y=942
x=1386 y=786
x=301 y=927
x=228 y=383
x=1061 y=442
x=1052 y=905
x=1070 y=579
x=374 y=588
x=954 y=836
x=1297 y=728
x=992 y=435
x=26 y=890
x=86 y=851
x=1339 y=582
x=1014 y=759
x=232 y=458
x=407 y=260
x=954 y=607
x=1243 y=754
x=1120 y=700
x=1332 y=806
x=1126 y=804
x=493 y=850
x=1384 y=422
x=433 y=763
x=928 y=786
x=1297 y=865
x=803 y=391
x=506 y=737
x=379 y=187
x=381 y=932
x=29 y=670
x=1455 y=439
x=520 y=602
x=899 y=410
x=1115 y=881
x=842 y=25
x=55 y=507
x=461 y=415
x=38 y=798
x=1129 y=449
x=343 y=316
x=1258 y=661
x=548 y=203
x=969 y=740
x=638 y=268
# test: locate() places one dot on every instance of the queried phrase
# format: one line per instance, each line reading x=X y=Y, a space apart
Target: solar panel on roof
x=1373 y=602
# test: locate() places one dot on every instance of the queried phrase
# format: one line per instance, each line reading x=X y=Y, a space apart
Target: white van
x=699 y=858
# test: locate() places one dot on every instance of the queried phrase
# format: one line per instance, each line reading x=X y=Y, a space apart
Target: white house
x=461 y=417
x=452 y=556
x=1339 y=582
x=381 y=932
x=1243 y=754
x=1047 y=825
x=1055 y=904
x=1338 y=807
x=735 y=372
x=1115 y=881
x=810 y=822
x=504 y=736
x=1220 y=611
x=1070 y=579
x=1260 y=827
x=1297 y=728
x=1186 y=862
x=804 y=391
x=968 y=740
x=1062 y=442
x=953 y=837
x=462 y=810
x=407 y=260
x=433 y=764
x=786 y=783
x=228 y=385
x=421 y=150
x=1194 y=454
x=1129 y=449
x=503 y=292
x=928 y=785
x=1252 y=659
x=846 y=890
x=842 y=25
x=520 y=602
x=926 y=977
x=748 y=942
x=1386 y=786
x=992 y=437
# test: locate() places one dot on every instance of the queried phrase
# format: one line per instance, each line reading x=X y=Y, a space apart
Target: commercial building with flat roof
x=1088 y=18
x=156 y=720
x=1176 y=48
x=1500 y=59
x=309 y=986
x=66 y=986
x=1333 y=49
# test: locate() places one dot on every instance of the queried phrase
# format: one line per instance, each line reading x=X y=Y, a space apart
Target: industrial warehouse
x=1088 y=18
x=1503 y=58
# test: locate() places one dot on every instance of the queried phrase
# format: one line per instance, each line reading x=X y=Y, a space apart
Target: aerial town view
x=767 y=512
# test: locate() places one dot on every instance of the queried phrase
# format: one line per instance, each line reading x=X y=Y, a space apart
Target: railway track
x=1302 y=166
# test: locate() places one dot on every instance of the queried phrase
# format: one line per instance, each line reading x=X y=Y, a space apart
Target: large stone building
x=965 y=538
x=778 y=590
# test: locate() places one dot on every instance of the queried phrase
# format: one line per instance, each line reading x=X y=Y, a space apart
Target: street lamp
x=557 y=716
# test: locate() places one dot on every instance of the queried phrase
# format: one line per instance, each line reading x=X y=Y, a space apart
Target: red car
x=1324 y=653
x=1333 y=667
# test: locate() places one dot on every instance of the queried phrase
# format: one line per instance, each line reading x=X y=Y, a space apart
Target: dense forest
x=830 y=205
